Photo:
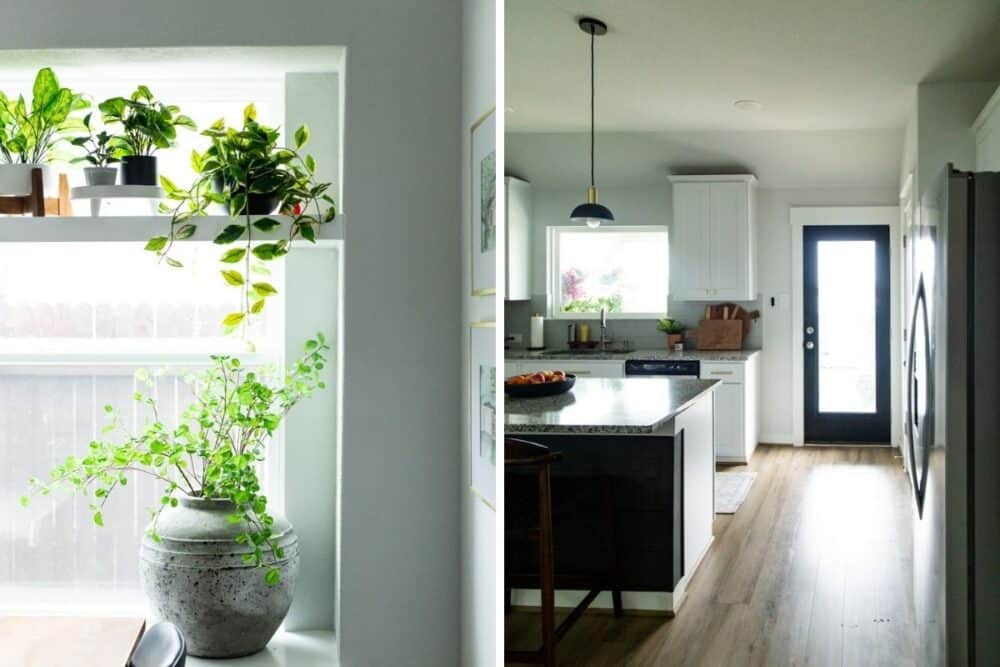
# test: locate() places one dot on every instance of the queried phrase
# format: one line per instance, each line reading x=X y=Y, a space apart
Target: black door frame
x=874 y=428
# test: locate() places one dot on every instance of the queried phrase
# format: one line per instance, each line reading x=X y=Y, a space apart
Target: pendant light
x=592 y=213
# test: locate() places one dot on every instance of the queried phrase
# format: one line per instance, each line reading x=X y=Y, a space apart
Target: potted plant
x=673 y=329
x=28 y=136
x=245 y=170
x=99 y=154
x=147 y=125
x=215 y=561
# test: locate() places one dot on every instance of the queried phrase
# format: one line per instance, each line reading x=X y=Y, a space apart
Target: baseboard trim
x=640 y=602
x=776 y=439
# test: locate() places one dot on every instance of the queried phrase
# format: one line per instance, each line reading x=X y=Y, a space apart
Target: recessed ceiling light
x=748 y=105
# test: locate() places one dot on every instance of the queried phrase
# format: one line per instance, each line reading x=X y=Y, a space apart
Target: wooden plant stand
x=37 y=204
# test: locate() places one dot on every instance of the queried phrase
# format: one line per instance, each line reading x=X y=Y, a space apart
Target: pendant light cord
x=592 y=106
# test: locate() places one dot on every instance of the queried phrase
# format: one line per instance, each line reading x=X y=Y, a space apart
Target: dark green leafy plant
x=212 y=453
x=239 y=162
x=670 y=326
x=97 y=144
x=29 y=136
x=146 y=123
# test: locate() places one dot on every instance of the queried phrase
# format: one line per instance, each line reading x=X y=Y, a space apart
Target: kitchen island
x=650 y=440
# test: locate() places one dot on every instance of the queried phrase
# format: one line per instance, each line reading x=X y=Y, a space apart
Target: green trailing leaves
x=229 y=234
x=233 y=319
x=233 y=255
x=232 y=277
x=157 y=243
x=266 y=224
x=301 y=136
x=264 y=289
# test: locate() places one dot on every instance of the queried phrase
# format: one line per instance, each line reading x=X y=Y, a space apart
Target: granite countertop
x=653 y=354
x=606 y=406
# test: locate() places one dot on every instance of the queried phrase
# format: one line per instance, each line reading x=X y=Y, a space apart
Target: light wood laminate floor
x=814 y=569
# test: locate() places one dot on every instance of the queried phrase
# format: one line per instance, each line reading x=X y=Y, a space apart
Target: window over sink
x=623 y=269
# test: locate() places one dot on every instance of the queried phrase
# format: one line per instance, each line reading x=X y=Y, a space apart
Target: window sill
x=315 y=648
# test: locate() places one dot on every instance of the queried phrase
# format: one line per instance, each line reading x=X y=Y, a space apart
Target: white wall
x=945 y=113
x=775 y=280
x=399 y=596
x=988 y=135
x=479 y=522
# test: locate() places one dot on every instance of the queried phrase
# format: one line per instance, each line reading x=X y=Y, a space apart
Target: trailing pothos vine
x=213 y=451
x=239 y=168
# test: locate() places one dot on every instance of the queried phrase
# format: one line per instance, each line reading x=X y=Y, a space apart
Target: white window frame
x=553 y=279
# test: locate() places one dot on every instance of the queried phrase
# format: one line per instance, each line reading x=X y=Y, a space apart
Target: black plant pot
x=258 y=203
x=139 y=170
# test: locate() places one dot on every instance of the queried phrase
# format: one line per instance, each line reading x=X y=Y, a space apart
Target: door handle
x=810 y=330
x=810 y=345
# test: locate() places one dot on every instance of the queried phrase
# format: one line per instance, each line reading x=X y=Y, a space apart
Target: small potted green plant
x=147 y=125
x=28 y=136
x=246 y=171
x=211 y=530
x=673 y=329
x=99 y=155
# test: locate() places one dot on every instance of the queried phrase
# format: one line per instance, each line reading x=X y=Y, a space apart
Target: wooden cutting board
x=736 y=312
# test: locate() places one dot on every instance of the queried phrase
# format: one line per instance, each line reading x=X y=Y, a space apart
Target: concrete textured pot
x=196 y=578
x=100 y=175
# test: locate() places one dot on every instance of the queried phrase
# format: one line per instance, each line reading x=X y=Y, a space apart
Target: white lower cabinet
x=735 y=408
x=581 y=369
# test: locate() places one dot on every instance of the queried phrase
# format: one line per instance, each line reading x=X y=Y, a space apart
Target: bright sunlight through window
x=622 y=269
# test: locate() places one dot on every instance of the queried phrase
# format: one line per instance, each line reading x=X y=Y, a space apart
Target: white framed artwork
x=483 y=177
x=482 y=387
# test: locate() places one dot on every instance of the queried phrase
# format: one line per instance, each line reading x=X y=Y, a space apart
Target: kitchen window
x=623 y=269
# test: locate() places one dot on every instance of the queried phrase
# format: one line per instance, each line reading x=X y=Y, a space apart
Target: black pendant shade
x=591 y=213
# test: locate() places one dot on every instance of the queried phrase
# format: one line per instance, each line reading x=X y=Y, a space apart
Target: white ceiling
x=680 y=64
x=780 y=159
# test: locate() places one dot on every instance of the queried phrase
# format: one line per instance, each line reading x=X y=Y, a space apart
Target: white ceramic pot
x=15 y=180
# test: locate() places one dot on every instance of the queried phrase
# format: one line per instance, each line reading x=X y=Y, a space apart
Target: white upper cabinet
x=712 y=238
x=518 y=263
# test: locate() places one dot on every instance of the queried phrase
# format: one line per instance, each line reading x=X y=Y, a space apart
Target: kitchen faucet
x=604 y=329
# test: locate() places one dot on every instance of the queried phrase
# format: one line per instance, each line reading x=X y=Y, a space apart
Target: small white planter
x=15 y=180
x=100 y=175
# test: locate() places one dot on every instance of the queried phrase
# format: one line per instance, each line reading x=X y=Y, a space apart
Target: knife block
x=720 y=335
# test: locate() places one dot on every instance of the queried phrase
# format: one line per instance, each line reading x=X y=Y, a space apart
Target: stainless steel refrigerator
x=952 y=444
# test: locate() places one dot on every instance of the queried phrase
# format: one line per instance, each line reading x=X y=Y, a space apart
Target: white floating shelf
x=138 y=229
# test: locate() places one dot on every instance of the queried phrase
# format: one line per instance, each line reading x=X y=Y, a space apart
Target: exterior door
x=846 y=316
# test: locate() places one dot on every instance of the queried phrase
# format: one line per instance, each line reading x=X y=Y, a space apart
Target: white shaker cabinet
x=713 y=238
x=735 y=408
x=517 y=275
x=581 y=369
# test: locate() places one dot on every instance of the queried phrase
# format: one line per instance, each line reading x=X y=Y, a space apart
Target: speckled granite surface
x=699 y=355
x=606 y=406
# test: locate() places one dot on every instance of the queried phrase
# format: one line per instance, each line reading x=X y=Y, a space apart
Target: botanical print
x=487 y=414
x=483 y=174
x=488 y=196
x=482 y=424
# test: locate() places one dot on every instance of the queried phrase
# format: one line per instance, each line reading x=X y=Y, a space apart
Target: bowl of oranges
x=538 y=384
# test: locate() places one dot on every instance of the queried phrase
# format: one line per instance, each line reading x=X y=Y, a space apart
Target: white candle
x=537 y=338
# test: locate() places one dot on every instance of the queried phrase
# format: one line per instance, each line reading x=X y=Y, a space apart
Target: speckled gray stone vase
x=196 y=578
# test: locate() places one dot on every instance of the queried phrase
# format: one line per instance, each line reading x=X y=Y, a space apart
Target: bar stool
x=520 y=457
